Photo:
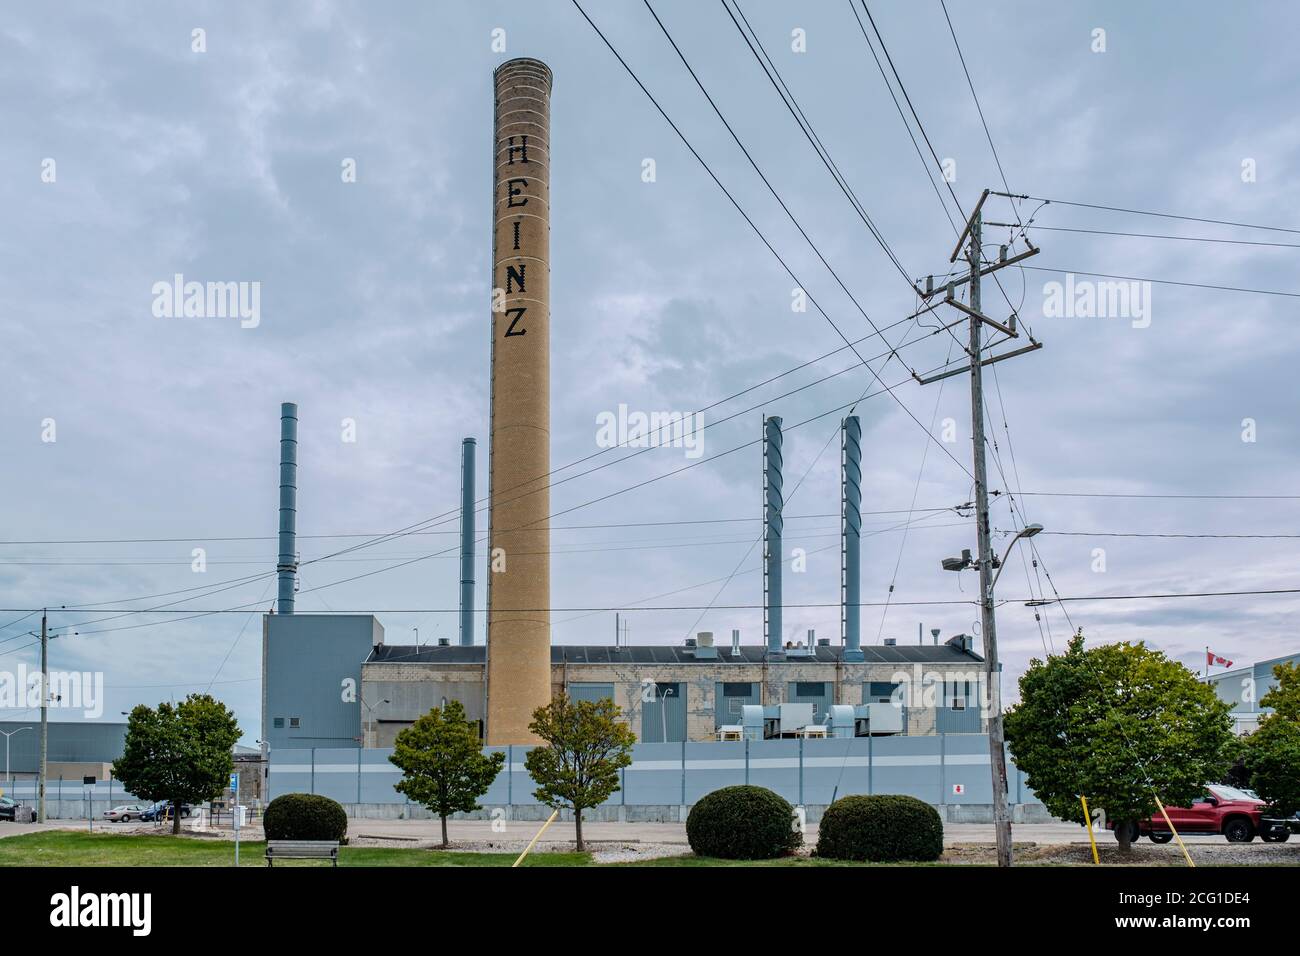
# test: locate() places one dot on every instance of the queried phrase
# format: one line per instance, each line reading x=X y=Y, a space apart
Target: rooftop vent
x=690 y=642
x=891 y=642
x=444 y=642
x=823 y=642
x=735 y=641
x=704 y=639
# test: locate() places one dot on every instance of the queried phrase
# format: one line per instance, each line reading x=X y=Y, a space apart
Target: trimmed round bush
x=881 y=829
x=742 y=823
x=305 y=816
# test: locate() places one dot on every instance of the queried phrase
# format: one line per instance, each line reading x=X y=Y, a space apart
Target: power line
x=890 y=389
x=1156 y=235
x=1190 y=285
x=975 y=96
x=1162 y=215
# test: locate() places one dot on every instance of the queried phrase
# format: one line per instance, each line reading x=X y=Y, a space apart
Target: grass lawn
x=70 y=848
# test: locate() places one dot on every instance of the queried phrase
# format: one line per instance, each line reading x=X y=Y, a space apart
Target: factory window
x=278 y=723
x=810 y=688
x=956 y=694
x=880 y=692
x=737 y=688
x=295 y=723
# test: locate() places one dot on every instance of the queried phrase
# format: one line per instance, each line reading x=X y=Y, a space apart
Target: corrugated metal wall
x=667 y=774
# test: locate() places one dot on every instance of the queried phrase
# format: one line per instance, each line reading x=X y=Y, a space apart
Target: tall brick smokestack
x=519 y=540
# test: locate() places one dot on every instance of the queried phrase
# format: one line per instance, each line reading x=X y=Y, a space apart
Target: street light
x=663 y=712
x=9 y=733
x=1028 y=531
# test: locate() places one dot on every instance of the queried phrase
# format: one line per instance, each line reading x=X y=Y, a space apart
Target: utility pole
x=45 y=714
x=986 y=561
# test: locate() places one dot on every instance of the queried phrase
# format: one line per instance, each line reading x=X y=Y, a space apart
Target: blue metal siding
x=802 y=692
x=591 y=691
x=654 y=720
x=69 y=742
x=307 y=658
x=729 y=697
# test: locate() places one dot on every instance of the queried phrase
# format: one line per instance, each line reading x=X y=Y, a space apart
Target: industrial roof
x=673 y=654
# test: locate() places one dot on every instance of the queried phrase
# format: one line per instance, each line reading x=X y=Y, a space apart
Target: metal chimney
x=735 y=640
x=773 y=523
x=286 y=567
x=851 y=538
x=467 y=490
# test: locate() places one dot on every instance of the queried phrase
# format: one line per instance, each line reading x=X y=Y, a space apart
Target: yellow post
x=1183 y=846
x=1088 y=820
x=549 y=821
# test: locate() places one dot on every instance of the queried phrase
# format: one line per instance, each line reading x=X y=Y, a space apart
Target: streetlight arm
x=1027 y=532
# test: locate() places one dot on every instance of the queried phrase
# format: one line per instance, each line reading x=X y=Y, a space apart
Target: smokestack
x=286 y=567
x=773 y=502
x=519 y=458
x=467 y=449
x=851 y=532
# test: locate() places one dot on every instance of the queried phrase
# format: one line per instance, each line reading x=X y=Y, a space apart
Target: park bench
x=302 y=850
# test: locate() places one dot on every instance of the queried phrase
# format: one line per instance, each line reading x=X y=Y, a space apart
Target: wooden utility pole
x=45 y=714
x=986 y=561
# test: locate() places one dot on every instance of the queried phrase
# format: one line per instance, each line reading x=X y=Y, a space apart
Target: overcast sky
x=226 y=164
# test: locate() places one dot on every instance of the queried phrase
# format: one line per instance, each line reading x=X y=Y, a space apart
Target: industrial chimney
x=851 y=531
x=286 y=567
x=519 y=454
x=773 y=523
x=467 y=449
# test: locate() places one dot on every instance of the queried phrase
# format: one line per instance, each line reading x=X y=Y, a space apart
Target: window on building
x=810 y=688
x=295 y=723
x=881 y=692
x=734 y=688
x=278 y=723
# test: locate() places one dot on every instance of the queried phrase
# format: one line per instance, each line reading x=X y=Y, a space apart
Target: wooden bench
x=302 y=850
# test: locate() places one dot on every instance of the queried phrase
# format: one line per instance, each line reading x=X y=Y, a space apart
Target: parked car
x=126 y=813
x=1221 y=809
x=162 y=810
x=16 y=812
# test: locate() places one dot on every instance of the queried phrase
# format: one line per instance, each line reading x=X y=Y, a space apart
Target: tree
x=1285 y=697
x=180 y=752
x=1273 y=759
x=1119 y=724
x=586 y=746
x=1272 y=752
x=443 y=764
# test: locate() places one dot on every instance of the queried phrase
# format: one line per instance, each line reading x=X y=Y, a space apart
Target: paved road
x=480 y=831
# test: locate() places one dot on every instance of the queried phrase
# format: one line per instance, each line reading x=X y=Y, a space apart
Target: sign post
x=235 y=813
x=88 y=790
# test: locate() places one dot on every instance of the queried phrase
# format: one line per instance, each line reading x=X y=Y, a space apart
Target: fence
x=950 y=771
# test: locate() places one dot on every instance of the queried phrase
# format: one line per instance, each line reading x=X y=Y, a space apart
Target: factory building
x=1245 y=687
x=331 y=681
x=700 y=692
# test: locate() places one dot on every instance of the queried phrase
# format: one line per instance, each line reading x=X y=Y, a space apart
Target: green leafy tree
x=1273 y=759
x=586 y=746
x=1120 y=724
x=1284 y=699
x=178 y=752
x=1272 y=752
x=443 y=764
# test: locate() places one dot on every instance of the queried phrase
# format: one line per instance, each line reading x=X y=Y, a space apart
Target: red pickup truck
x=1223 y=809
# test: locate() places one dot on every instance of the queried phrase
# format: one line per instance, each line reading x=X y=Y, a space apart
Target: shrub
x=305 y=816
x=881 y=829
x=742 y=823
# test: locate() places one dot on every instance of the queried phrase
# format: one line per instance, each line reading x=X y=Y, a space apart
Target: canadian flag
x=1212 y=659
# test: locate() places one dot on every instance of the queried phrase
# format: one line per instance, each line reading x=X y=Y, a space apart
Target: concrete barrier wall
x=949 y=771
